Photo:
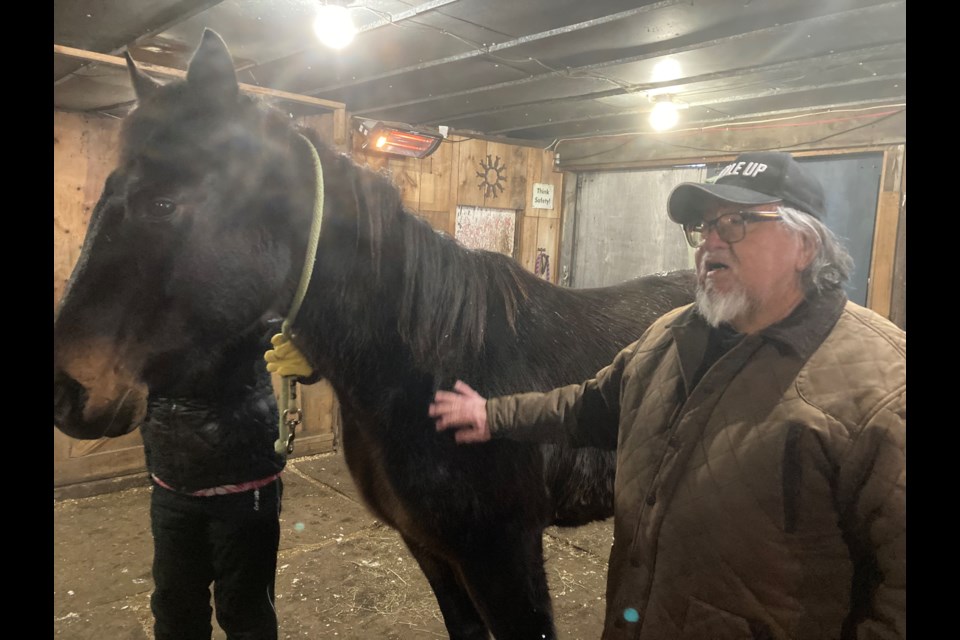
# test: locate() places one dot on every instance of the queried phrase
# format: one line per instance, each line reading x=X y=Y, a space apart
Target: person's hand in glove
x=285 y=359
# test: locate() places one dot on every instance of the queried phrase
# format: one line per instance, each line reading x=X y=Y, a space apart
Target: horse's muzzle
x=74 y=415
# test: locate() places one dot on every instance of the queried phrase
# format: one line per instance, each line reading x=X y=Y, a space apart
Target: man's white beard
x=717 y=307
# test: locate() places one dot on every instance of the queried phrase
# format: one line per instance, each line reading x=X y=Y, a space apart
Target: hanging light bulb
x=664 y=115
x=666 y=70
x=333 y=26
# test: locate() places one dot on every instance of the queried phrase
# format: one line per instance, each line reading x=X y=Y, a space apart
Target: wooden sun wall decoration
x=492 y=176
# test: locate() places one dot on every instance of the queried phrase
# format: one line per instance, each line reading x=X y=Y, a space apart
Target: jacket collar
x=807 y=327
x=801 y=332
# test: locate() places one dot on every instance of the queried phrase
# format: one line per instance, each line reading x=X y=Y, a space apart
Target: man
x=761 y=432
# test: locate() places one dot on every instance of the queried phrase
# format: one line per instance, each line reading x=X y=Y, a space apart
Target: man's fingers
x=444 y=420
x=446 y=397
x=466 y=431
x=464 y=388
x=461 y=391
x=454 y=410
x=442 y=407
x=443 y=423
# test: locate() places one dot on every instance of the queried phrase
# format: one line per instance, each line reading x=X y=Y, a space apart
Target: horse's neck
x=348 y=321
x=386 y=284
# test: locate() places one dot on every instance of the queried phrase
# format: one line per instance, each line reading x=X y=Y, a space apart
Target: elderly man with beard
x=760 y=432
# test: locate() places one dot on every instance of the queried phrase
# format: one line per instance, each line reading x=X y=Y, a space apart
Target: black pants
x=229 y=540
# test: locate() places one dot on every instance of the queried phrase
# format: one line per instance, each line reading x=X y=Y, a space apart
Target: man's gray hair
x=832 y=265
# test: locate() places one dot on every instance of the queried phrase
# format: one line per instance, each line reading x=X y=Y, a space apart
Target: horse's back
x=579 y=332
x=564 y=336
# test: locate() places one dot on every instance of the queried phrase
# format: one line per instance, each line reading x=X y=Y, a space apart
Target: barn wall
x=85 y=151
x=454 y=175
x=619 y=229
x=835 y=133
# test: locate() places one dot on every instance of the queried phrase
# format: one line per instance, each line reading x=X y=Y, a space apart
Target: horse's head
x=191 y=243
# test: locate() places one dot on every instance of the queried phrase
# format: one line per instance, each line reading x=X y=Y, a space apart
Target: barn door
x=852 y=185
x=617 y=226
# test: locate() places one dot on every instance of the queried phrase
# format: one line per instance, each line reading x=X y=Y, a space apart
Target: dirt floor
x=341 y=573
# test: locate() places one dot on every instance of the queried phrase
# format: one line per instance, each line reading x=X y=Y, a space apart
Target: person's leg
x=182 y=571
x=246 y=535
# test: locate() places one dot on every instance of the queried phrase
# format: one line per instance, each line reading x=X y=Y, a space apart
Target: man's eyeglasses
x=731 y=227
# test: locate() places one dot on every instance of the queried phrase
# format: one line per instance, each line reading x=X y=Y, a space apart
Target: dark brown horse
x=201 y=231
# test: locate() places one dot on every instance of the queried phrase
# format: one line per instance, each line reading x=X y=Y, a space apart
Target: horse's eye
x=161 y=208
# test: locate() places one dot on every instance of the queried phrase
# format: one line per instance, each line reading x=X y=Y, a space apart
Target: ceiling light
x=664 y=115
x=397 y=139
x=666 y=70
x=334 y=26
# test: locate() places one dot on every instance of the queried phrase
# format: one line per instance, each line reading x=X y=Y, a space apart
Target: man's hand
x=463 y=409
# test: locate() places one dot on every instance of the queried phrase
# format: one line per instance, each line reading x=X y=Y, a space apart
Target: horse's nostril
x=69 y=397
x=64 y=386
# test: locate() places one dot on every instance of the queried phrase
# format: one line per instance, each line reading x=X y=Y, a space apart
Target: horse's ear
x=143 y=85
x=211 y=72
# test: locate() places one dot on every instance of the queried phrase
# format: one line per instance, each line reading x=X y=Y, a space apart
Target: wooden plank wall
x=85 y=151
x=898 y=302
x=882 y=281
x=433 y=187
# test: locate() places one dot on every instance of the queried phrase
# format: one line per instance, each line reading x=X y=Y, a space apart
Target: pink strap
x=224 y=488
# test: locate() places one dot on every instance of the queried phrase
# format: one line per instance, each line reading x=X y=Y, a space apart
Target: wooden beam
x=898 y=302
x=92 y=56
x=681 y=160
x=880 y=289
x=802 y=136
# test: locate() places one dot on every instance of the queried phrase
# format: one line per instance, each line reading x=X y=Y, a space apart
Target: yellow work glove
x=285 y=360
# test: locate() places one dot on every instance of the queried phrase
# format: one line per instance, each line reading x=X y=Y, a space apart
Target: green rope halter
x=290 y=418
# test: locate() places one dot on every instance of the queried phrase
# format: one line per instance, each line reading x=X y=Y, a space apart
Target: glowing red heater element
x=399 y=140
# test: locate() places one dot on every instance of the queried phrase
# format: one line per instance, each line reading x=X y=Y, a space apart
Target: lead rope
x=284 y=358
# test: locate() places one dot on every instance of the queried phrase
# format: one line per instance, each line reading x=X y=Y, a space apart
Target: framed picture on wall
x=486 y=228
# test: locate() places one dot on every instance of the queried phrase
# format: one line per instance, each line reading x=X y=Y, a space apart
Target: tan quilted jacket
x=769 y=500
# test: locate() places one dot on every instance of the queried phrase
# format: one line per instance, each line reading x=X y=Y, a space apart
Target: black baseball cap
x=759 y=177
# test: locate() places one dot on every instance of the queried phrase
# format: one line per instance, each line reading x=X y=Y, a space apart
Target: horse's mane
x=447 y=292
x=450 y=292
x=449 y=304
